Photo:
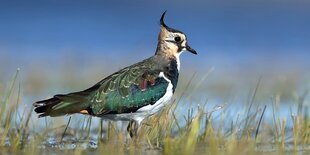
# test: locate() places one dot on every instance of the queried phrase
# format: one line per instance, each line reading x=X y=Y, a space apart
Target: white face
x=176 y=39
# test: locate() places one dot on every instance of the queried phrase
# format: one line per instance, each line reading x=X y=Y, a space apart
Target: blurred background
x=63 y=46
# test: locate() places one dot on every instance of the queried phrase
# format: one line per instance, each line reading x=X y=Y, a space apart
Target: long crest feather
x=162 y=23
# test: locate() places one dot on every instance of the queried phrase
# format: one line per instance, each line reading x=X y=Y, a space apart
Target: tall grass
x=163 y=133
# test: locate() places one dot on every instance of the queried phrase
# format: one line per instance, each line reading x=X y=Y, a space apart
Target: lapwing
x=132 y=93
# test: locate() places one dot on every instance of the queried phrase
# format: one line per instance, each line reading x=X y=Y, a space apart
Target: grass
x=198 y=131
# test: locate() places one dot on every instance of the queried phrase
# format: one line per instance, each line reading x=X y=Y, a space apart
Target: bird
x=132 y=93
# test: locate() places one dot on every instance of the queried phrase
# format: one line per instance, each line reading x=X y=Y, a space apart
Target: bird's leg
x=132 y=128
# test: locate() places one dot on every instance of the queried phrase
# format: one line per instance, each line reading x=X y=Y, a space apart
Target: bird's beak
x=188 y=48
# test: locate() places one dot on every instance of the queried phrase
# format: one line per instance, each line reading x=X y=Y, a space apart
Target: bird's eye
x=177 y=39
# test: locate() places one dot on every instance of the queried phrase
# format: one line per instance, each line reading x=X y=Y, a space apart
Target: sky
x=225 y=33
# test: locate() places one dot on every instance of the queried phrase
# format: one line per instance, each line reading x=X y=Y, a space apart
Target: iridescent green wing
x=128 y=90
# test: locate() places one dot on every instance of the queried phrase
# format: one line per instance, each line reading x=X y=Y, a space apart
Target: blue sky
x=225 y=33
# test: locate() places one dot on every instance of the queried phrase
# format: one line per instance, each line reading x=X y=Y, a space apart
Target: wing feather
x=120 y=92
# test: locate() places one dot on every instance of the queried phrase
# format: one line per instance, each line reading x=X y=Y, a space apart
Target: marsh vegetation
x=249 y=124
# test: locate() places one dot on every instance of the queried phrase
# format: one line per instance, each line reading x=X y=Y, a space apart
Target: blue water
x=222 y=114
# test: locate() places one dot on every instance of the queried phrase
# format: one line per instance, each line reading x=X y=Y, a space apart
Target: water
x=221 y=114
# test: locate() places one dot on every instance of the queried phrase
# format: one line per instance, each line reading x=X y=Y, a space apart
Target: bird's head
x=171 y=41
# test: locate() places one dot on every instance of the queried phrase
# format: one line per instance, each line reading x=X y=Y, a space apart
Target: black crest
x=162 y=23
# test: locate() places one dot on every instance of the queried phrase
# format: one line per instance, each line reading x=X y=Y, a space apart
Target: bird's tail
x=61 y=105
